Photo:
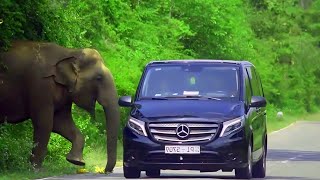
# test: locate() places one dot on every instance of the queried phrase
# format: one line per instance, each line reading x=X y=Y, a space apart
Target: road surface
x=293 y=153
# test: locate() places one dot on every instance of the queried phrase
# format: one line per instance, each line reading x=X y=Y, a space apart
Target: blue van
x=205 y=115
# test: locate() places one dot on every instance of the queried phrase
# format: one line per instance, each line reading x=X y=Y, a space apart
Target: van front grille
x=192 y=132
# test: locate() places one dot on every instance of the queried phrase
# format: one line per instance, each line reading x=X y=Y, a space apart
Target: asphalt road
x=293 y=153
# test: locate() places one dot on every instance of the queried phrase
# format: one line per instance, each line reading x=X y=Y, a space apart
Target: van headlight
x=137 y=126
x=231 y=126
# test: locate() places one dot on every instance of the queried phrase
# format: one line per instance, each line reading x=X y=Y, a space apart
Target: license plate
x=182 y=149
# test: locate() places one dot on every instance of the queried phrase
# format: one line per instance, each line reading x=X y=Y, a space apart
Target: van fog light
x=181 y=158
x=231 y=157
x=131 y=158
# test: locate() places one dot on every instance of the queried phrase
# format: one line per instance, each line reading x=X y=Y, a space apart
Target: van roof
x=240 y=62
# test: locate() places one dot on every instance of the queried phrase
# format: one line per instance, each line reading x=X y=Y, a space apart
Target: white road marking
x=292 y=158
x=283 y=128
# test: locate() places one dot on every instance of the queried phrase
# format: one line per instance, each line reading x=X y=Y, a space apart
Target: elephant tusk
x=1 y=21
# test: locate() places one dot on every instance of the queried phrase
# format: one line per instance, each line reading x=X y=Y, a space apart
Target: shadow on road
x=291 y=155
x=194 y=177
x=226 y=177
x=170 y=176
x=288 y=177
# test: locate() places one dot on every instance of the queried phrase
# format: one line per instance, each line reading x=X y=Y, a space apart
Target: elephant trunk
x=112 y=127
x=108 y=98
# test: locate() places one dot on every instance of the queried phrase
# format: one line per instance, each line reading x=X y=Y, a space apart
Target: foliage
x=290 y=47
x=220 y=28
x=281 y=37
x=12 y=138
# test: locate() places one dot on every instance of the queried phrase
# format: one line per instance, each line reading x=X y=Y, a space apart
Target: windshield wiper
x=193 y=97
x=210 y=97
x=155 y=98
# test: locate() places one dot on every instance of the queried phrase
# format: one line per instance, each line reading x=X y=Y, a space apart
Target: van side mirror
x=125 y=101
x=258 y=101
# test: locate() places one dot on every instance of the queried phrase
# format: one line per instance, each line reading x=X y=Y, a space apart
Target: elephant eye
x=99 y=78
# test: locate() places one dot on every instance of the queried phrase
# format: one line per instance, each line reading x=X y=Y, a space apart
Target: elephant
x=41 y=80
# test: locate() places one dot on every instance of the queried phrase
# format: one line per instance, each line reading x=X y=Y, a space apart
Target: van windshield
x=191 y=81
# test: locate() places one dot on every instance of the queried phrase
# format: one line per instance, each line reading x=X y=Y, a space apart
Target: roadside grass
x=95 y=163
x=311 y=117
x=97 y=159
x=275 y=124
x=48 y=170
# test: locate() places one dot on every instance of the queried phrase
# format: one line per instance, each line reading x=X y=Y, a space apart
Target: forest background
x=281 y=37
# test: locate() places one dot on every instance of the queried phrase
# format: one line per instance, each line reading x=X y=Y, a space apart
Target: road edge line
x=273 y=132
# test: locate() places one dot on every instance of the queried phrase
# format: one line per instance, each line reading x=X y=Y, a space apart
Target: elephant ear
x=62 y=63
x=67 y=72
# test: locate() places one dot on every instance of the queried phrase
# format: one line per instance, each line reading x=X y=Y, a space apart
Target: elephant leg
x=63 y=124
x=42 y=127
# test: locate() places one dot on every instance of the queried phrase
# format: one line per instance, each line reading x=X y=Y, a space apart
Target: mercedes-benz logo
x=182 y=131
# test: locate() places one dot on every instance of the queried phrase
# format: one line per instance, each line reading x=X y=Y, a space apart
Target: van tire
x=130 y=172
x=260 y=168
x=246 y=172
x=154 y=173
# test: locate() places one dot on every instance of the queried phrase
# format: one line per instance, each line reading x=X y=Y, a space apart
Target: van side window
x=259 y=83
x=255 y=85
x=248 y=90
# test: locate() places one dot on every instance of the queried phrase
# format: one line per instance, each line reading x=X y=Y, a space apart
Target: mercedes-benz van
x=205 y=115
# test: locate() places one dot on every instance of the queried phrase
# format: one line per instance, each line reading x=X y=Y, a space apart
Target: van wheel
x=246 y=172
x=259 y=169
x=130 y=172
x=154 y=173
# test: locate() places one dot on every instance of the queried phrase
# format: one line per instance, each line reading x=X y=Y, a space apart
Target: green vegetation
x=275 y=124
x=281 y=37
x=52 y=167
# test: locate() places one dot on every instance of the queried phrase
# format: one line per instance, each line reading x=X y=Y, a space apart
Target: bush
x=15 y=146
